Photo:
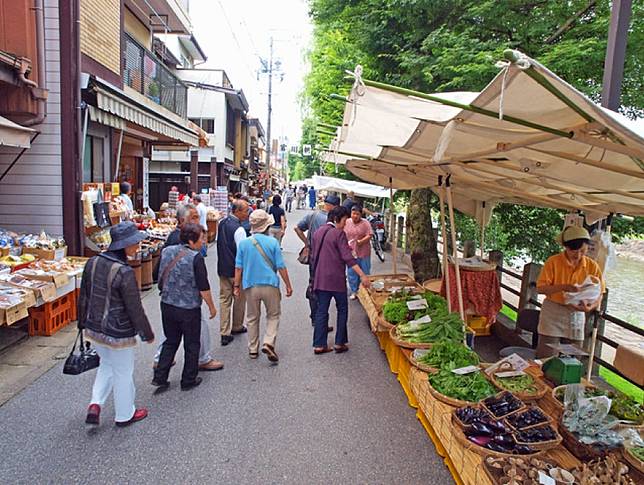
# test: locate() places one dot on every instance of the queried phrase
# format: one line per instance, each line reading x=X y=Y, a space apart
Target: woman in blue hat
x=110 y=312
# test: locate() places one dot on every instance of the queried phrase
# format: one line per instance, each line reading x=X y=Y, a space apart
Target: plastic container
x=49 y=318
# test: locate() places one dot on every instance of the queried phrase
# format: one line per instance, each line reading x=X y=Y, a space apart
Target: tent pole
x=395 y=238
x=459 y=290
x=468 y=107
x=441 y=201
x=482 y=229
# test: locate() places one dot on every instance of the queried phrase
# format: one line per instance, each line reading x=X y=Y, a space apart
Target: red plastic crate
x=76 y=295
x=49 y=318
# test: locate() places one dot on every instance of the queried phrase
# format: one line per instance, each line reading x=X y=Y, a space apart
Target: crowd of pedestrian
x=249 y=266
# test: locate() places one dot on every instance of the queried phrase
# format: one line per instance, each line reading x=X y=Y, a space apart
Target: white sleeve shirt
x=240 y=235
x=203 y=214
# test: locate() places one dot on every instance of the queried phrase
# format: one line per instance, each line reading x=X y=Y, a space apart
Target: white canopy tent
x=527 y=138
x=360 y=189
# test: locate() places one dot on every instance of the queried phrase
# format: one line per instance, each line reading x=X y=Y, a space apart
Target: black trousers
x=312 y=297
x=180 y=323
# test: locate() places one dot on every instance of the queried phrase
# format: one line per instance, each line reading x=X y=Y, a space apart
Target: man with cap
x=311 y=223
x=187 y=214
x=257 y=264
x=111 y=314
x=562 y=273
x=229 y=235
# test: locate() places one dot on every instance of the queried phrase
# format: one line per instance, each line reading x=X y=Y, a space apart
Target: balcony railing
x=143 y=72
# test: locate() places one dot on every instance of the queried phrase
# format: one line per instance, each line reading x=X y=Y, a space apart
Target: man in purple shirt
x=331 y=255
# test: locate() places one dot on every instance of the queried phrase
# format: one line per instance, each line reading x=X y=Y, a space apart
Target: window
x=206 y=124
x=230 y=125
x=94 y=160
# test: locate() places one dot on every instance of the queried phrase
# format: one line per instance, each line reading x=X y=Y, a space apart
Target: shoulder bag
x=168 y=268
x=264 y=255
x=87 y=358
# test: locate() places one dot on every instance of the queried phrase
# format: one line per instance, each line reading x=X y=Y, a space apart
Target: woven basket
x=468 y=445
x=524 y=396
x=581 y=450
x=542 y=445
x=407 y=345
x=460 y=424
x=384 y=323
x=633 y=460
x=450 y=401
x=518 y=410
x=425 y=368
x=549 y=421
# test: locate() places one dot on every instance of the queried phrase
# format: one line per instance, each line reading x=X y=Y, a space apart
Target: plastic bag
x=590 y=291
x=602 y=250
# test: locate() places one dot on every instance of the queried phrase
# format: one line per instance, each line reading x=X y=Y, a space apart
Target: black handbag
x=86 y=359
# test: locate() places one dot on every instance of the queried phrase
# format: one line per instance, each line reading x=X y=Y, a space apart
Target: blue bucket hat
x=125 y=234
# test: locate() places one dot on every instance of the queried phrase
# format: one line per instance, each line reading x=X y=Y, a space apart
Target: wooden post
x=213 y=173
x=400 y=230
x=529 y=285
x=496 y=256
x=469 y=248
x=194 y=170
x=599 y=327
x=615 y=53
x=483 y=233
x=457 y=271
x=394 y=233
x=441 y=201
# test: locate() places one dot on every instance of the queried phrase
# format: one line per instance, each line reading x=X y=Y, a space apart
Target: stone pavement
x=311 y=419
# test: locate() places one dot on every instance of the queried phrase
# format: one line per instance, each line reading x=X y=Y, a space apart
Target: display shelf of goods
x=526 y=387
x=460 y=390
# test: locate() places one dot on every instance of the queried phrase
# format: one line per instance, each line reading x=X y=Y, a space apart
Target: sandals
x=341 y=348
x=322 y=350
x=270 y=353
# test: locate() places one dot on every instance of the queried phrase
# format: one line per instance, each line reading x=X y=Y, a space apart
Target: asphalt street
x=334 y=418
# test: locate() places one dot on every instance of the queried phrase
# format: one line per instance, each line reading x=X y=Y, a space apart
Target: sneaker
x=93 y=414
x=211 y=365
x=353 y=296
x=226 y=339
x=192 y=385
x=270 y=353
x=139 y=414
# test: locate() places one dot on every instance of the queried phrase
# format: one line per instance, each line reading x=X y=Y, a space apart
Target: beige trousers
x=271 y=297
x=276 y=232
x=229 y=304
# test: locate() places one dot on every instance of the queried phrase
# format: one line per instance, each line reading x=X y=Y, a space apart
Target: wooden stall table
x=465 y=465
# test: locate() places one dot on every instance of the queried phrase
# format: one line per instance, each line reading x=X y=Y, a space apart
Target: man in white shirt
x=202 y=210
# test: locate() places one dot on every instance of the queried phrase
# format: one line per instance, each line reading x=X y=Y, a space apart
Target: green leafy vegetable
x=469 y=387
x=442 y=327
x=638 y=452
x=524 y=383
x=395 y=312
x=449 y=355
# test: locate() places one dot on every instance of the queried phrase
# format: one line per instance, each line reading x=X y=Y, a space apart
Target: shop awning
x=361 y=189
x=114 y=102
x=14 y=135
x=528 y=138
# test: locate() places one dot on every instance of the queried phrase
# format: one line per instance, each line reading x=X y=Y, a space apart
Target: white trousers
x=115 y=373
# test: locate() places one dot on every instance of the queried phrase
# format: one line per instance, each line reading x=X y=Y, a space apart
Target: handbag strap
x=315 y=259
x=263 y=253
x=171 y=264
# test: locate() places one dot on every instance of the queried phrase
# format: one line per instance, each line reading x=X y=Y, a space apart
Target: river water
x=626 y=291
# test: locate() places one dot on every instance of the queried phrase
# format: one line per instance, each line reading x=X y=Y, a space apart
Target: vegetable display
x=526 y=419
x=485 y=431
x=449 y=355
x=469 y=387
x=442 y=327
x=395 y=309
x=395 y=312
x=524 y=383
x=622 y=406
x=502 y=405
x=638 y=452
x=536 y=435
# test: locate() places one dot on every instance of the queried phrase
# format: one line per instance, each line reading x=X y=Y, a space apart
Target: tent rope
x=443 y=142
x=522 y=63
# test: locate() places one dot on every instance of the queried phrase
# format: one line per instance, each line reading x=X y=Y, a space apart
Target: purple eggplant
x=523 y=450
x=480 y=440
x=494 y=446
x=482 y=429
x=504 y=439
x=497 y=426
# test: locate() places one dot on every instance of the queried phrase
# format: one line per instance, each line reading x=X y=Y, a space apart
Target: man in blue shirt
x=257 y=264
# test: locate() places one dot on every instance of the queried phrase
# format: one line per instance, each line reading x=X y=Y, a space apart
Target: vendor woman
x=566 y=272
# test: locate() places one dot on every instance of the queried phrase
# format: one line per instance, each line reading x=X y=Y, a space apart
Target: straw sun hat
x=570 y=233
x=260 y=220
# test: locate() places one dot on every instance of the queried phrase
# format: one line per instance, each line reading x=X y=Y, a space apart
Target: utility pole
x=620 y=17
x=269 y=183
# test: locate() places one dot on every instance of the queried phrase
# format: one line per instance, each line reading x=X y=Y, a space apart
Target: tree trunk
x=422 y=241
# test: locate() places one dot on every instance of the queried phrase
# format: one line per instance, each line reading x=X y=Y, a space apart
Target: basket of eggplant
x=529 y=418
x=503 y=404
x=541 y=437
x=478 y=431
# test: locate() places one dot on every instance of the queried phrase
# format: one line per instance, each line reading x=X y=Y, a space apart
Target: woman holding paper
x=573 y=285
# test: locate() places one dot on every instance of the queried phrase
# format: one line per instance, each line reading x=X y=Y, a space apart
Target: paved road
x=311 y=419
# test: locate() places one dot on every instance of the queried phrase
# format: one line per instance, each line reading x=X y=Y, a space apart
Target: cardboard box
x=48 y=254
x=12 y=314
x=58 y=279
x=27 y=296
x=44 y=291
